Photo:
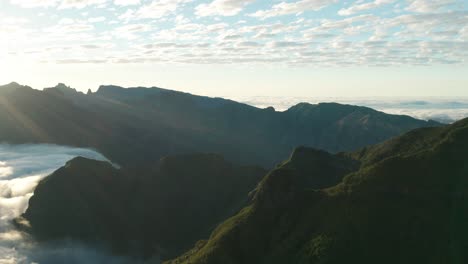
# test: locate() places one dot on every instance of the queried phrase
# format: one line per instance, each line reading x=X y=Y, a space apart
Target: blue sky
x=240 y=47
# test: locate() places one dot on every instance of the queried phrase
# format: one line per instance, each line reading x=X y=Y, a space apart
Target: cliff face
x=404 y=204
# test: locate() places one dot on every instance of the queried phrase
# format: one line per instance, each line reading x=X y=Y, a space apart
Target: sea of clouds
x=21 y=168
x=446 y=110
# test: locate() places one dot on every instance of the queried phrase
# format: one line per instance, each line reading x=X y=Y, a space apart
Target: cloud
x=222 y=7
x=286 y=44
x=34 y=3
x=248 y=44
x=362 y=7
x=159 y=8
x=79 y=4
x=286 y=8
x=68 y=27
x=62 y=4
x=392 y=37
x=5 y=170
x=25 y=166
x=131 y=31
x=96 y=19
x=429 y=6
x=126 y=2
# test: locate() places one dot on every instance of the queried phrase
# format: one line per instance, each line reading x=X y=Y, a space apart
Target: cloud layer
x=318 y=33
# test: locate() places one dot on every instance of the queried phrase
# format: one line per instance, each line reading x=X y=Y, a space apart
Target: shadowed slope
x=161 y=210
x=405 y=205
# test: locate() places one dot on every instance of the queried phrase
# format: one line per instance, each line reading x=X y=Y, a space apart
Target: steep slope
x=190 y=196
x=161 y=210
x=85 y=199
x=406 y=204
x=136 y=126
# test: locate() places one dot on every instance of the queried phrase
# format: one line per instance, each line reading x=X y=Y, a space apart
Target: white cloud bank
x=21 y=168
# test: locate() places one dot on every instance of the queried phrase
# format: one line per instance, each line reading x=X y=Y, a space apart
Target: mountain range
x=360 y=186
x=400 y=201
x=139 y=125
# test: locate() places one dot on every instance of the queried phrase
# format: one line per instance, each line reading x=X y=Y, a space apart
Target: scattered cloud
x=429 y=6
x=222 y=7
x=335 y=34
x=356 y=8
x=159 y=8
x=63 y=4
x=286 y=8
x=126 y=2
x=131 y=31
x=34 y=3
x=79 y=4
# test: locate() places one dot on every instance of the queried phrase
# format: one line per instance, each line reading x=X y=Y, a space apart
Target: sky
x=240 y=47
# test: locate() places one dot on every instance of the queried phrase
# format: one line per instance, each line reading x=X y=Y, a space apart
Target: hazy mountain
x=404 y=203
x=159 y=210
x=444 y=109
x=140 y=125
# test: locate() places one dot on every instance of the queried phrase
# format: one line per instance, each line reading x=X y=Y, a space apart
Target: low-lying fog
x=21 y=168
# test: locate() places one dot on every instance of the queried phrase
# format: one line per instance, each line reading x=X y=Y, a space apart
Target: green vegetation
x=405 y=204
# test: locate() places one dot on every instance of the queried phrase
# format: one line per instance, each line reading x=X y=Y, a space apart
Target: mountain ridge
x=173 y=122
x=398 y=209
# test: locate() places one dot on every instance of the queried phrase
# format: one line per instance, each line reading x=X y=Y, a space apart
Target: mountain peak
x=65 y=88
x=106 y=90
x=109 y=87
x=79 y=161
x=62 y=86
x=303 y=152
x=11 y=87
x=13 y=84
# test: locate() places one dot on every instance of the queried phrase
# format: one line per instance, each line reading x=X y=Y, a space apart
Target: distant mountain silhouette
x=404 y=203
x=161 y=210
x=140 y=125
